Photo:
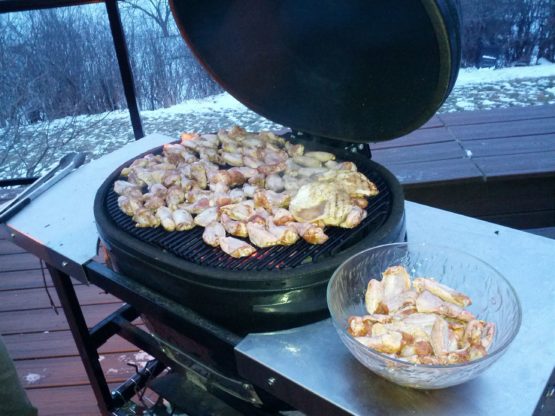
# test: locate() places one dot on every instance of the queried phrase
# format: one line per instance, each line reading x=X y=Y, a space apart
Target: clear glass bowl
x=493 y=299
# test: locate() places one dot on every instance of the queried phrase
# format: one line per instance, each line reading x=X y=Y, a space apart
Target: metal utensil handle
x=14 y=209
x=35 y=185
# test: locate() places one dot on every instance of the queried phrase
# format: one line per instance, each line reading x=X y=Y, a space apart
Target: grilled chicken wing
x=175 y=196
x=212 y=233
x=125 y=188
x=183 y=220
x=236 y=248
x=129 y=205
x=145 y=218
x=153 y=202
x=354 y=217
x=274 y=182
x=321 y=156
x=311 y=233
x=286 y=235
x=239 y=212
x=164 y=214
x=307 y=161
x=281 y=216
x=235 y=228
x=260 y=237
x=354 y=183
x=207 y=216
x=271 y=200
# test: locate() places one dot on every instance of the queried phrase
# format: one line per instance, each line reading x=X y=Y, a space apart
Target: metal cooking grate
x=189 y=245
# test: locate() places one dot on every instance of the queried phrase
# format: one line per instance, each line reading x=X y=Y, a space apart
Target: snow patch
x=142 y=357
x=483 y=75
x=112 y=371
x=215 y=103
x=466 y=105
x=32 y=378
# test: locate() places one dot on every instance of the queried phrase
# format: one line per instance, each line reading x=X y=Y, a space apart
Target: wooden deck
x=39 y=340
x=497 y=165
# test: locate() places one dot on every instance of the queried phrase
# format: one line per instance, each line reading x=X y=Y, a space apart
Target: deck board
x=460 y=165
x=25 y=279
x=16 y=300
x=30 y=346
x=498 y=165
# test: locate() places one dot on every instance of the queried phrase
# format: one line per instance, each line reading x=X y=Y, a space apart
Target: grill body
x=281 y=287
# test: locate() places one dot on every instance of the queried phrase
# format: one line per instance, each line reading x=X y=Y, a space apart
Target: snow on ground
x=40 y=145
x=489 y=75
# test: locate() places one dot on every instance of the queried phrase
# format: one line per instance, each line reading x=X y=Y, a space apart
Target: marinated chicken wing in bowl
x=422 y=315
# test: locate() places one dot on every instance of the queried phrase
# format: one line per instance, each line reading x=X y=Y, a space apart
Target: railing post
x=124 y=67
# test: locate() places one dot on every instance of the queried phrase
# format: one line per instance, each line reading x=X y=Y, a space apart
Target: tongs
x=66 y=164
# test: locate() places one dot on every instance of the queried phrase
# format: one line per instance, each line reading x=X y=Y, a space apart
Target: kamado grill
x=340 y=75
x=275 y=288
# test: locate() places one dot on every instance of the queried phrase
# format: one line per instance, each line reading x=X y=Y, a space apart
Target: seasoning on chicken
x=183 y=220
x=125 y=188
x=241 y=211
x=145 y=218
x=311 y=233
x=285 y=234
x=321 y=156
x=442 y=291
x=274 y=182
x=207 y=216
x=164 y=214
x=321 y=202
x=129 y=205
x=235 y=228
x=260 y=236
x=235 y=247
x=433 y=330
x=281 y=216
x=212 y=233
x=189 y=184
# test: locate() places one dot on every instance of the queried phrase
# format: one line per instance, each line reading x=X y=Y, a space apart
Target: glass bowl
x=493 y=300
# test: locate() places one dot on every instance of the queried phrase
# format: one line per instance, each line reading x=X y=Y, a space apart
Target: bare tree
x=157 y=10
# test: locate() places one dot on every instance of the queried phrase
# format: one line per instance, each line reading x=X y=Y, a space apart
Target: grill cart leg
x=87 y=349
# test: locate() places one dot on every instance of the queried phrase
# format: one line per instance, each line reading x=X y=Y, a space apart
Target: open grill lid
x=355 y=71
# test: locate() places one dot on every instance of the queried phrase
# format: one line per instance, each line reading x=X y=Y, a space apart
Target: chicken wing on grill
x=274 y=193
x=236 y=248
x=129 y=205
x=125 y=188
x=183 y=220
x=207 y=216
x=235 y=228
x=145 y=218
x=260 y=236
x=241 y=211
x=164 y=214
x=212 y=234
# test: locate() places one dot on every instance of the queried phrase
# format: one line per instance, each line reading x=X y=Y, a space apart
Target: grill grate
x=189 y=245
